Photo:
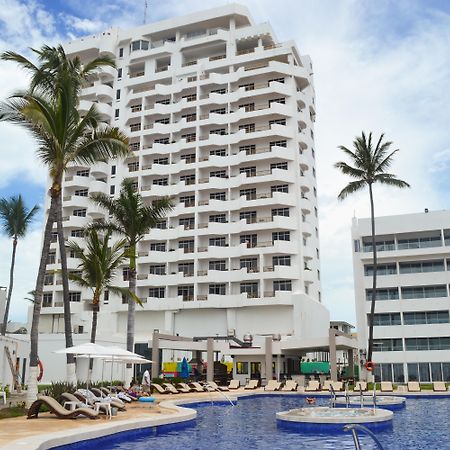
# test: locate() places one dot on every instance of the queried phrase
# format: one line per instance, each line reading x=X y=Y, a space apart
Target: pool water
x=251 y=424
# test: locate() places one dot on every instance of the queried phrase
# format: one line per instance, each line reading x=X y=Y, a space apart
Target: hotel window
x=382 y=269
x=251 y=264
x=79 y=212
x=282 y=285
x=135 y=126
x=218 y=111
x=427 y=343
x=164 y=141
x=47 y=299
x=281 y=236
x=277 y=80
x=51 y=258
x=161 y=181
x=385 y=319
x=186 y=268
x=219 y=91
x=190 y=97
x=220 y=218
x=121 y=52
x=426 y=317
x=219 y=131
x=249 y=127
x=82 y=173
x=279 y=188
x=248 y=149
x=219 y=264
x=187 y=222
x=424 y=292
x=251 y=289
x=249 y=194
x=188 y=179
x=278 y=144
x=105 y=297
x=277 y=122
x=74 y=296
x=249 y=171
x=280 y=165
x=188 y=200
x=163 y=121
x=218 y=174
x=218 y=242
x=77 y=233
x=387 y=345
x=284 y=260
x=119 y=73
x=136 y=108
x=281 y=100
x=161 y=161
x=164 y=101
x=189 y=137
x=133 y=167
x=422 y=266
x=82 y=192
x=126 y=274
x=161 y=225
x=158 y=292
x=280 y=212
x=383 y=294
x=187 y=292
x=116 y=113
x=248 y=107
x=118 y=94
x=187 y=246
x=251 y=240
x=248 y=86
x=112 y=190
x=217 y=289
x=218 y=196
x=49 y=279
x=192 y=117
x=188 y=159
x=158 y=247
x=218 y=152
x=420 y=242
x=248 y=216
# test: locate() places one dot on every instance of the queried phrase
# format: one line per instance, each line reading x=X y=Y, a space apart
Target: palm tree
x=48 y=110
x=132 y=219
x=15 y=218
x=369 y=166
x=98 y=266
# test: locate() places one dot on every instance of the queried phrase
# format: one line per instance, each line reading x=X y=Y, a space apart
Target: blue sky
x=378 y=65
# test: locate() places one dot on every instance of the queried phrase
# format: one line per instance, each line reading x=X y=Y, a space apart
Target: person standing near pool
x=146 y=381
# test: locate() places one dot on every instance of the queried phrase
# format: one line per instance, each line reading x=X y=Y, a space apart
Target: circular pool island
x=326 y=419
x=388 y=402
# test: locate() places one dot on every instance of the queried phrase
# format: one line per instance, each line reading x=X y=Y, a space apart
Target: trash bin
x=113 y=411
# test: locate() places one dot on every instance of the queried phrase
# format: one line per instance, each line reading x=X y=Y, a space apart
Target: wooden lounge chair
x=158 y=389
x=290 y=385
x=216 y=387
x=184 y=387
x=272 y=385
x=360 y=386
x=252 y=384
x=234 y=384
x=59 y=411
x=313 y=385
x=386 y=386
x=98 y=392
x=92 y=399
x=414 y=386
x=171 y=388
x=196 y=387
x=68 y=397
x=439 y=386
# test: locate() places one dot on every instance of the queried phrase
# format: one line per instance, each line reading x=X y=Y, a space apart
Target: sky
x=380 y=66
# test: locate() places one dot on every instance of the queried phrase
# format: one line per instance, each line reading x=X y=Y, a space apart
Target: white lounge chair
x=386 y=386
x=414 y=386
x=234 y=384
x=216 y=387
x=313 y=385
x=338 y=386
x=252 y=384
x=326 y=385
x=439 y=386
x=360 y=386
x=290 y=385
x=272 y=385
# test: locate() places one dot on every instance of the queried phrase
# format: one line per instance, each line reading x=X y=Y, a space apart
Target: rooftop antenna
x=145 y=11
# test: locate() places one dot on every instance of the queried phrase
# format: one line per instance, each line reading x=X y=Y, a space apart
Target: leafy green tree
x=132 y=219
x=48 y=110
x=15 y=219
x=369 y=165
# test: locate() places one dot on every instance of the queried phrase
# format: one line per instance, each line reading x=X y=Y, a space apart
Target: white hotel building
x=220 y=117
x=412 y=326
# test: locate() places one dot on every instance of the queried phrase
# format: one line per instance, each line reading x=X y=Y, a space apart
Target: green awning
x=308 y=368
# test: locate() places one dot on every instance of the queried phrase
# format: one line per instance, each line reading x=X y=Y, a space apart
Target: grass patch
x=15 y=411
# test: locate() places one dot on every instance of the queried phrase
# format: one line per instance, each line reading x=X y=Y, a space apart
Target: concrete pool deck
x=46 y=431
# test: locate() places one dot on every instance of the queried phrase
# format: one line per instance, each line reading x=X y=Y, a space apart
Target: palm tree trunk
x=95 y=308
x=70 y=367
x=38 y=292
x=374 y=279
x=10 y=289
x=131 y=307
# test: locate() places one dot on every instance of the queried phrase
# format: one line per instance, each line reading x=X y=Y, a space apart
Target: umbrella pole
x=112 y=366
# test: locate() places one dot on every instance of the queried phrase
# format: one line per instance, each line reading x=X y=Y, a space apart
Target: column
x=332 y=346
x=210 y=359
x=351 y=365
x=268 y=349
x=155 y=354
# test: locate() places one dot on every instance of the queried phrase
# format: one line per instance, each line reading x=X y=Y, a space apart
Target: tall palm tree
x=48 y=110
x=133 y=219
x=15 y=218
x=369 y=165
x=98 y=266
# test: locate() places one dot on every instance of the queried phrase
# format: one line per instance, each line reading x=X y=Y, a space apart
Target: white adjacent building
x=220 y=117
x=412 y=326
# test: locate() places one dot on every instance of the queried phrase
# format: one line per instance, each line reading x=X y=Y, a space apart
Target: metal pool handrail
x=354 y=429
x=333 y=396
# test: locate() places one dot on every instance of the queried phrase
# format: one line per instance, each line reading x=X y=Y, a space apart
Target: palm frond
x=351 y=188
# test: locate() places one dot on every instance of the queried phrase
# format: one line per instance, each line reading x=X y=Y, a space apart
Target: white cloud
x=380 y=66
x=83 y=25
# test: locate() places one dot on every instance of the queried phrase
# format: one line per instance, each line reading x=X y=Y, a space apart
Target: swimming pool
x=251 y=424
